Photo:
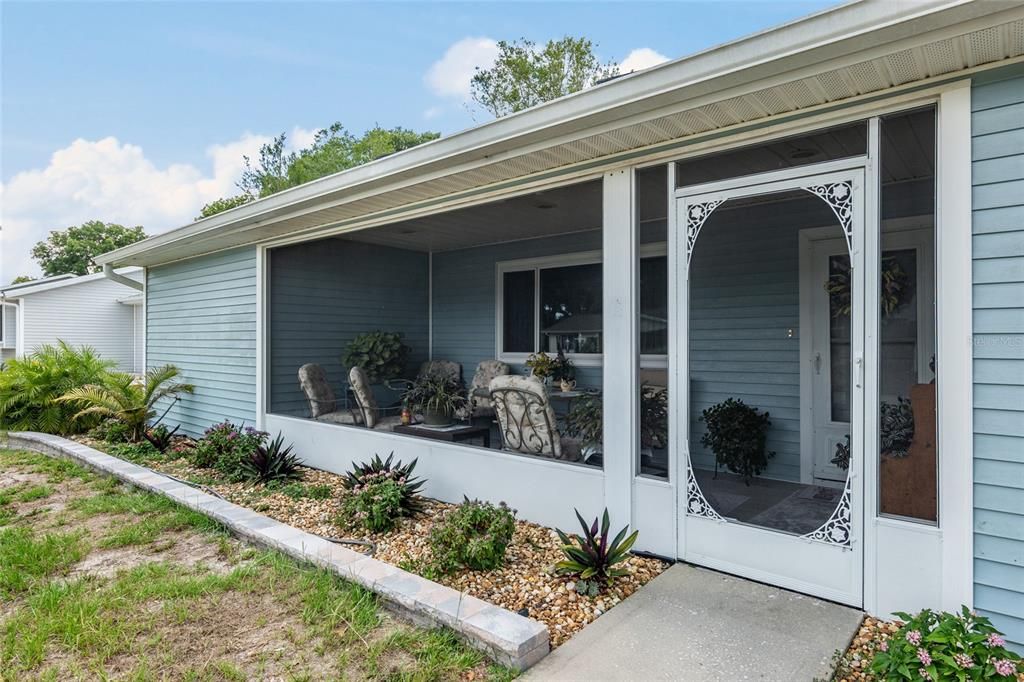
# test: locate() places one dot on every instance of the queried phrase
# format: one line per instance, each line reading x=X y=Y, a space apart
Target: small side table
x=449 y=434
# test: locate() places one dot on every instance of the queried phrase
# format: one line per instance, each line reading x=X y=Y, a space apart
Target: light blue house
x=824 y=221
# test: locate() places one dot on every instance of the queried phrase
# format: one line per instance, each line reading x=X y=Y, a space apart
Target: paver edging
x=509 y=638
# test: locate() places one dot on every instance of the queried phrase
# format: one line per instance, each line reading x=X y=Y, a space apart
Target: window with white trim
x=556 y=303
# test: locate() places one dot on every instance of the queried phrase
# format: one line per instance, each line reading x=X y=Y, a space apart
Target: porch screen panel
x=570 y=309
x=518 y=312
x=749 y=460
x=908 y=366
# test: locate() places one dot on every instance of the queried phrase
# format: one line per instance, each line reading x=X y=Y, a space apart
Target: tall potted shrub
x=382 y=355
x=737 y=433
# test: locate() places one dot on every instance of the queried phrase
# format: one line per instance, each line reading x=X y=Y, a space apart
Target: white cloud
x=111 y=181
x=450 y=76
x=300 y=138
x=432 y=112
x=641 y=58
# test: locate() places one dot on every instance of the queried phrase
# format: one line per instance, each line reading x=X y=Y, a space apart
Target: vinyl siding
x=324 y=293
x=998 y=253
x=465 y=297
x=201 y=317
x=744 y=296
x=9 y=335
x=84 y=314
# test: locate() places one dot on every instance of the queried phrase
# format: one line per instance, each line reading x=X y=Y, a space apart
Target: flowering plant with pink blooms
x=224 y=446
x=945 y=646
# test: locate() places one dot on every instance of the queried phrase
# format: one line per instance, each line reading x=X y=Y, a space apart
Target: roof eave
x=829 y=34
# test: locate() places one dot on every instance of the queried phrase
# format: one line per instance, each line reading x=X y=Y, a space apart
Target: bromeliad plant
x=160 y=437
x=591 y=557
x=123 y=397
x=376 y=469
x=270 y=462
x=945 y=646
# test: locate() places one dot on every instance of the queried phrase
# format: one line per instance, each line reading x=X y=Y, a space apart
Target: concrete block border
x=508 y=638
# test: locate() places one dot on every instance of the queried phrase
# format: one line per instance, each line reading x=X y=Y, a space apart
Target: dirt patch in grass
x=525 y=583
x=189 y=549
x=176 y=598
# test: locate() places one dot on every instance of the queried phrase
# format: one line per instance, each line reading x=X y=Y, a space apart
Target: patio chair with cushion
x=480 y=389
x=526 y=421
x=323 y=405
x=372 y=415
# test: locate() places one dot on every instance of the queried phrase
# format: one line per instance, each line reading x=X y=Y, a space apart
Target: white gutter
x=109 y=273
x=829 y=34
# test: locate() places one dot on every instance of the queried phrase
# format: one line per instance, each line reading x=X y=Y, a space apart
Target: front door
x=753 y=504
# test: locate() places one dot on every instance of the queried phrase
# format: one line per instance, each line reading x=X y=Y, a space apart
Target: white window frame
x=652 y=250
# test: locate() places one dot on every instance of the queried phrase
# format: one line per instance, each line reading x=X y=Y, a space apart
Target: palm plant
x=30 y=388
x=121 y=396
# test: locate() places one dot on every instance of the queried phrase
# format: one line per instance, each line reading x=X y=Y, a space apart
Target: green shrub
x=738 y=435
x=30 y=388
x=140 y=453
x=224 y=446
x=376 y=468
x=122 y=396
x=270 y=462
x=381 y=354
x=374 y=505
x=110 y=431
x=945 y=646
x=473 y=535
x=591 y=557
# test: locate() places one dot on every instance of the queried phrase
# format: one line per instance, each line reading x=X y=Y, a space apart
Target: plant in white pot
x=437 y=397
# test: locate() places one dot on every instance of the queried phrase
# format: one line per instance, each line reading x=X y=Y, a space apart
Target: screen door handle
x=860 y=371
x=817 y=363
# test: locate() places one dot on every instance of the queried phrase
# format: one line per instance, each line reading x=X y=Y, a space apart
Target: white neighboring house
x=90 y=310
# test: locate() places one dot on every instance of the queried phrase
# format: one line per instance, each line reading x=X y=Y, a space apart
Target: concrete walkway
x=695 y=624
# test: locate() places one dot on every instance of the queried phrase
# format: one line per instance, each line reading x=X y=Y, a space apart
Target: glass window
x=517 y=312
x=570 y=309
x=654 y=305
x=907 y=364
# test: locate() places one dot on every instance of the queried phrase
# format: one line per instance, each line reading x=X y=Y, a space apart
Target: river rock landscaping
x=526 y=582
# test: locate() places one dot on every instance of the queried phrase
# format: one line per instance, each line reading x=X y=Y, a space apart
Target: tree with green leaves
x=525 y=75
x=225 y=204
x=72 y=251
x=21 y=279
x=334 y=149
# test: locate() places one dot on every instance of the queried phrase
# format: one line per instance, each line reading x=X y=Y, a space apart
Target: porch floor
x=691 y=623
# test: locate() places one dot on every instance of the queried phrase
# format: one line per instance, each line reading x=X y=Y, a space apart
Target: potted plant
x=381 y=354
x=542 y=366
x=585 y=422
x=653 y=417
x=564 y=372
x=737 y=433
x=438 y=398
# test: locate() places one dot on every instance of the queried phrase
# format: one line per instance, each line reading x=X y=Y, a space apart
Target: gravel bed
x=526 y=583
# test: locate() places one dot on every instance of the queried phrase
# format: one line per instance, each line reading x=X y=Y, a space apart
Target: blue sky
x=138 y=112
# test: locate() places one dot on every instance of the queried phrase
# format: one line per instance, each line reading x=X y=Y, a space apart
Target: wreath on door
x=895 y=292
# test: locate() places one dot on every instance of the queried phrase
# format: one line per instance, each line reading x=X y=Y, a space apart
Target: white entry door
x=747 y=507
x=830 y=361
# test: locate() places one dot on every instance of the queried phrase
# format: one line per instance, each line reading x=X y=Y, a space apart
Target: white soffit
x=943 y=38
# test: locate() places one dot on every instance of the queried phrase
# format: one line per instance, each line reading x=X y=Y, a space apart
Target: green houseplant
x=381 y=354
x=437 y=397
x=737 y=433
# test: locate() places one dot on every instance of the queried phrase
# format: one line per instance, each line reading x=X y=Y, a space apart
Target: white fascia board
x=827 y=35
x=28 y=288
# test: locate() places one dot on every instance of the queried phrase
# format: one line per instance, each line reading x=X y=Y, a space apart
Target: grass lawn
x=98 y=580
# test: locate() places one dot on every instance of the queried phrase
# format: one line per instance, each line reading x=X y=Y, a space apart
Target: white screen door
x=747 y=507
